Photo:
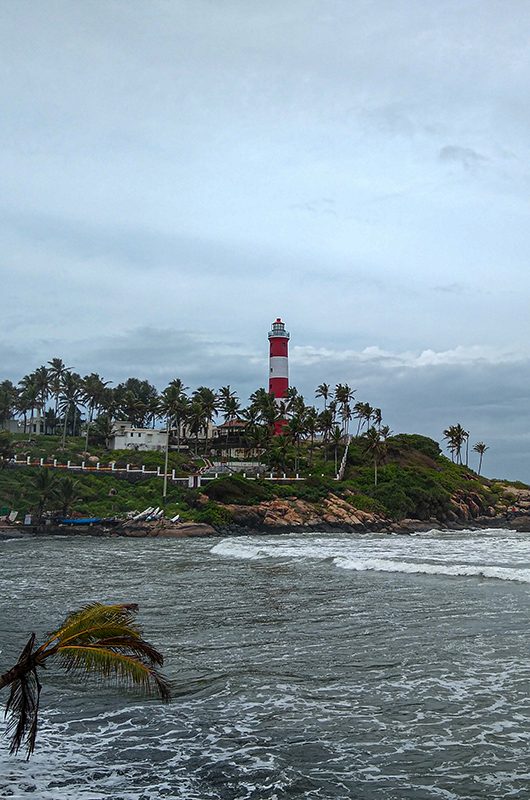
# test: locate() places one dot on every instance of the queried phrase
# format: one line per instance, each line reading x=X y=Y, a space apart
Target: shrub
x=213 y=514
x=235 y=489
x=365 y=503
x=413 y=441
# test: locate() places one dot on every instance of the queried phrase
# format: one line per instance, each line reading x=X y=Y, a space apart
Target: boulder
x=186 y=529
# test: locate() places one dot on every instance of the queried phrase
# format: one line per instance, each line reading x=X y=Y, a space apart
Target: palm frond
x=124 y=644
x=128 y=667
x=85 y=623
x=22 y=707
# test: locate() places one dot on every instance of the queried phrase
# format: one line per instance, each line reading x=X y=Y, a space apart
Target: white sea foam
x=503 y=556
x=465 y=570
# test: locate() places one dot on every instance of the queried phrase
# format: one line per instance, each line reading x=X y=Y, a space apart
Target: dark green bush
x=235 y=489
x=413 y=441
x=213 y=514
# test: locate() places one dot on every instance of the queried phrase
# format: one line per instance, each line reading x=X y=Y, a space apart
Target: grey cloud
x=465 y=156
x=452 y=288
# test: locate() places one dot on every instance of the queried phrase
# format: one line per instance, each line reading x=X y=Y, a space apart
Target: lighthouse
x=278 y=364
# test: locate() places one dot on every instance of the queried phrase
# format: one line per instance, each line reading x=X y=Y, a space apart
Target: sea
x=317 y=666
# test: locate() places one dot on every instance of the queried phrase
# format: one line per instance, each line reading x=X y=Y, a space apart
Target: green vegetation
x=414 y=480
x=403 y=475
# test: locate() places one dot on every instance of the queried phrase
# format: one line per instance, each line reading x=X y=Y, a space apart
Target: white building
x=34 y=424
x=126 y=437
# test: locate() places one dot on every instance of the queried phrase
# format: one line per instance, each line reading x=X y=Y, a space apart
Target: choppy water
x=304 y=666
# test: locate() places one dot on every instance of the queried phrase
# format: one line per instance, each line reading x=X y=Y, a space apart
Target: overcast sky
x=174 y=175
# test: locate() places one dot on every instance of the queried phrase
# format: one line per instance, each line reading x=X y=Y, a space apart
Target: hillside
x=414 y=482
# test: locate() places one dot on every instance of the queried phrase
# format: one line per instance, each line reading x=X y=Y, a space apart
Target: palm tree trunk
x=480 y=464
x=88 y=430
x=66 y=413
x=375 y=471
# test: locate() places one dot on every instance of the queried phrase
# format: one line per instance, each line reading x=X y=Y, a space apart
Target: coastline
x=185 y=530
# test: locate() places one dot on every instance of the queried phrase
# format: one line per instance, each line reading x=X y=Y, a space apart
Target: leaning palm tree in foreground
x=100 y=640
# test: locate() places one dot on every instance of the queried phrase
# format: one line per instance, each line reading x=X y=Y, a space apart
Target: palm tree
x=367 y=414
x=344 y=396
x=195 y=420
x=208 y=401
x=6 y=448
x=257 y=437
x=173 y=404
x=93 y=394
x=28 y=398
x=336 y=439
x=456 y=436
x=8 y=398
x=69 y=399
x=325 y=426
x=358 y=413
x=45 y=486
x=376 y=446
x=311 y=427
x=480 y=448
x=100 y=640
x=294 y=430
x=377 y=417
x=278 y=455
x=228 y=403
x=56 y=373
x=324 y=391
x=67 y=493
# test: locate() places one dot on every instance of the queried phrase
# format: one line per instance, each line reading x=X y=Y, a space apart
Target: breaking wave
x=435 y=553
x=464 y=570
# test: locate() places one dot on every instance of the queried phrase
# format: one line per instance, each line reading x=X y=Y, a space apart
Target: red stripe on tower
x=278 y=365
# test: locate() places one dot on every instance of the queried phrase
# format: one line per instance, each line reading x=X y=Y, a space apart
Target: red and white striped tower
x=279 y=365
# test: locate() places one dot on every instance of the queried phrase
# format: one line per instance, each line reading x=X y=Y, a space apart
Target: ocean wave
x=414 y=568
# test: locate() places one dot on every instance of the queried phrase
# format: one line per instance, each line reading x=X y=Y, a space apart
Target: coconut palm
x=44 y=486
x=368 y=412
x=344 y=396
x=56 y=372
x=336 y=439
x=311 y=427
x=28 y=397
x=172 y=403
x=377 y=417
x=324 y=391
x=69 y=399
x=375 y=445
x=92 y=395
x=279 y=455
x=67 y=493
x=358 y=413
x=325 y=426
x=295 y=429
x=7 y=450
x=480 y=448
x=8 y=399
x=208 y=402
x=456 y=436
x=99 y=640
